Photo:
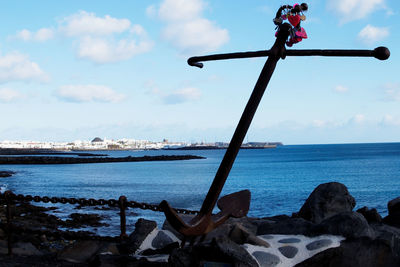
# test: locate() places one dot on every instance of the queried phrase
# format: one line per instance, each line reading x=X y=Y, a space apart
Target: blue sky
x=78 y=69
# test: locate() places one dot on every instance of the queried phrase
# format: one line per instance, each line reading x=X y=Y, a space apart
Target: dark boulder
x=284 y=225
x=359 y=252
x=393 y=218
x=221 y=251
x=227 y=228
x=347 y=224
x=161 y=240
x=143 y=228
x=182 y=257
x=327 y=200
x=240 y=235
x=394 y=206
x=226 y=247
x=388 y=234
x=6 y=174
x=371 y=215
x=80 y=251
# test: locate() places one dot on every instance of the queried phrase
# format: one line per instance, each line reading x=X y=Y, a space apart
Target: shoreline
x=325 y=231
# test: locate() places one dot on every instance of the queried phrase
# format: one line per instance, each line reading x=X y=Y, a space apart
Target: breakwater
x=74 y=160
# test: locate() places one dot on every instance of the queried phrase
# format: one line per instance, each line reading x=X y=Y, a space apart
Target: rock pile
x=325 y=232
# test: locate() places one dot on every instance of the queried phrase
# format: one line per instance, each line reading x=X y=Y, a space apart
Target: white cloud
x=389 y=120
x=182 y=95
x=106 y=39
x=341 y=89
x=180 y=10
x=319 y=123
x=24 y=35
x=151 y=11
x=350 y=10
x=84 y=23
x=88 y=93
x=17 y=67
x=98 y=39
x=9 y=95
x=102 y=50
x=41 y=35
x=44 y=34
x=392 y=92
x=187 y=29
x=371 y=34
x=357 y=119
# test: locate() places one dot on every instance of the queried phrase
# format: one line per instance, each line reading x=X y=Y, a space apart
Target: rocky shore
x=22 y=151
x=324 y=232
x=5 y=174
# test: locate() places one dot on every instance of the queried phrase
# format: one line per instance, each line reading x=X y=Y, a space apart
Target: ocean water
x=280 y=179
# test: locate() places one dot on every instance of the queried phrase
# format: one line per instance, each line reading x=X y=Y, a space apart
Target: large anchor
x=237 y=204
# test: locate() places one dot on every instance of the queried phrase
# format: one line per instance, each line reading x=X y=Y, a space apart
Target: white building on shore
x=95 y=144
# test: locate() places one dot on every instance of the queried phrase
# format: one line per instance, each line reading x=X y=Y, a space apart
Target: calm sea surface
x=279 y=179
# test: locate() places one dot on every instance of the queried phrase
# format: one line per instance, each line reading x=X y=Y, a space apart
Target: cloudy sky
x=78 y=69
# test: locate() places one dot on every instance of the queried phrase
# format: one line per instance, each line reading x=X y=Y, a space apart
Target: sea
x=279 y=179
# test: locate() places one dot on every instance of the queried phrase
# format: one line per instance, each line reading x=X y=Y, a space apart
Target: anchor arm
x=195 y=61
x=381 y=53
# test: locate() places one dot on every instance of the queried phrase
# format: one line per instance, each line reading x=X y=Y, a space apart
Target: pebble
x=289 y=240
x=266 y=259
x=288 y=251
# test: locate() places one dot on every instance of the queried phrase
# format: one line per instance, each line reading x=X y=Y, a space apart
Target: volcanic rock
x=80 y=251
x=283 y=225
x=5 y=174
x=347 y=224
x=327 y=200
x=143 y=228
x=393 y=218
x=371 y=215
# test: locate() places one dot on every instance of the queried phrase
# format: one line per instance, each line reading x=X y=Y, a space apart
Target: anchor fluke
x=233 y=205
x=381 y=53
x=237 y=203
x=192 y=62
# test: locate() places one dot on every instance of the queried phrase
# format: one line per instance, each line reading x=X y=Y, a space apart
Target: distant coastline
x=98 y=144
x=220 y=145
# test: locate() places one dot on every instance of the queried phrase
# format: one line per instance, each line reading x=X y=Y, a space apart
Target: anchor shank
x=276 y=52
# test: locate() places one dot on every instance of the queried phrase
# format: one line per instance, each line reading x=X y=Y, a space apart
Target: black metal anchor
x=237 y=204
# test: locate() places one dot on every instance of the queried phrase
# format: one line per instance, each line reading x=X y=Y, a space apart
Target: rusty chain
x=10 y=196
